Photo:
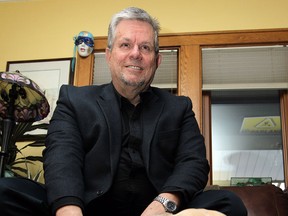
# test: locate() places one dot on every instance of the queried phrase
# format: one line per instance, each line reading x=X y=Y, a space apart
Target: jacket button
x=99 y=192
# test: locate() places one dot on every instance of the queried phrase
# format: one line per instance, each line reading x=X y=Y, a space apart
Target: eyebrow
x=128 y=40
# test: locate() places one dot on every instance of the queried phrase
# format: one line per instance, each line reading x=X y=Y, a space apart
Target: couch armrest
x=265 y=200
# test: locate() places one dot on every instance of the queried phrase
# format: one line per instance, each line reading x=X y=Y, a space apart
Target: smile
x=135 y=67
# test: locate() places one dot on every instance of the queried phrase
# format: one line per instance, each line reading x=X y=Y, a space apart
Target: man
x=125 y=148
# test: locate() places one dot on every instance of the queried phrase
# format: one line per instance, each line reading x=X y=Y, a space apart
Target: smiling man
x=132 y=58
x=123 y=148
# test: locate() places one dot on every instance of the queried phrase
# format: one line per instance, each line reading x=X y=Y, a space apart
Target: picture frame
x=250 y=181
x=50 y=75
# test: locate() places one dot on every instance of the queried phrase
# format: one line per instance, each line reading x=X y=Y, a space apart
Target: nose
x=135 y=53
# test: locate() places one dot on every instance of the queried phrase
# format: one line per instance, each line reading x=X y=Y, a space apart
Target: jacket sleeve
x=63 y=156
x=182 y=151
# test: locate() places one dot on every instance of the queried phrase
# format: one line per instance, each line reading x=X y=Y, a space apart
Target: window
x=165 y=77
x=264 y=67
x=246 y=136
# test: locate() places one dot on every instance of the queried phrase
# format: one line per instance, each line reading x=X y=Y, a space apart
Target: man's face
x=132 y=59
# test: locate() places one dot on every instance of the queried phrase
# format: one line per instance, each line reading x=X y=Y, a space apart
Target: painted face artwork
x=85 y=43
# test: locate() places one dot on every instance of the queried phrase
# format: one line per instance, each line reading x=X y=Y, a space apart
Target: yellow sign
x=264 y=124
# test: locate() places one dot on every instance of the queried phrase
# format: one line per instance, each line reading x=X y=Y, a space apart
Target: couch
x=264 y=200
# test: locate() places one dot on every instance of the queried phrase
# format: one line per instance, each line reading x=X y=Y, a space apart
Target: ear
x=158 y=60
x=107 y=55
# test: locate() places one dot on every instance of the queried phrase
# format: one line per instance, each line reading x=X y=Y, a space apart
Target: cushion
x=265 y=200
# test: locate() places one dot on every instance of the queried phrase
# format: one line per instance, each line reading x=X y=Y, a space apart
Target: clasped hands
x=194 y=212
x=76 y=211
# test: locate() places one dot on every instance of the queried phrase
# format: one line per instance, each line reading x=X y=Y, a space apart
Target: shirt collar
x=145 y=97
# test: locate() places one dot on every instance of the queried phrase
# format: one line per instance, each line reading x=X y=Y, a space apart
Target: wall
x=43 y=29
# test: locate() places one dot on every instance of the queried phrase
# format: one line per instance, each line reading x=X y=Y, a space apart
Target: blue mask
x=88 y=41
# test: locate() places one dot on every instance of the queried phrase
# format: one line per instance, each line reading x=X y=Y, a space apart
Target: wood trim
x=84 y=70
x=284 y=125
x=206 y=128
x=84 y=66
x=190 y=77
x=227 y=38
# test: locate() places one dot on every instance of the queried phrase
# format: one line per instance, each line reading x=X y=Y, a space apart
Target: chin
x=136 y=84
x=132 y=81
x=84 y=54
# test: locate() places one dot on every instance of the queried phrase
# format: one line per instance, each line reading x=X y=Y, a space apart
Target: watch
x=169 y=205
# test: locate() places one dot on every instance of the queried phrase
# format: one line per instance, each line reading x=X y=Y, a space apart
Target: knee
x=4 y=186
x=5 y=192
x=223 y=201
x=22 y=197
x=11 y=186
x=235 y=206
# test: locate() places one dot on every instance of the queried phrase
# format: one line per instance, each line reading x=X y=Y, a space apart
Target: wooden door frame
x=284 y=126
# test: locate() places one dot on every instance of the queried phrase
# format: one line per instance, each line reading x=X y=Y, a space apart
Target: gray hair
x=133 y=13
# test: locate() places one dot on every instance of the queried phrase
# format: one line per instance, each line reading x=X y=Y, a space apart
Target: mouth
x=134 y=67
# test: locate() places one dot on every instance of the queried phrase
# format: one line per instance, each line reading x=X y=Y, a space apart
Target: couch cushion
x=266 y=200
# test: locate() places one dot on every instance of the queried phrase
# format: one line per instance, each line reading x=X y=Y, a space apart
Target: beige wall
x=43 y=29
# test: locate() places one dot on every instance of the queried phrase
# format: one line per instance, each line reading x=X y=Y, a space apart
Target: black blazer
x=84 y=141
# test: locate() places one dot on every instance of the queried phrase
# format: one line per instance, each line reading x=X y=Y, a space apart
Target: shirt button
x=99 y=192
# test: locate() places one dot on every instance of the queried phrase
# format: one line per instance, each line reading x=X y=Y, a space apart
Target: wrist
x=169 y=205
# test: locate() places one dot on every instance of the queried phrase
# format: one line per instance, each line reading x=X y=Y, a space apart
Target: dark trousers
x=22 y=197
x=27 y=198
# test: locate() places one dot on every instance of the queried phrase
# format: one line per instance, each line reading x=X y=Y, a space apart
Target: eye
x=79 y=41
x=125 y=45
x=88 y=42
x=146 y=48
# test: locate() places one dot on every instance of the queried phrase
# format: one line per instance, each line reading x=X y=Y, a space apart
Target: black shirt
x=132 y=134
x=131 y=186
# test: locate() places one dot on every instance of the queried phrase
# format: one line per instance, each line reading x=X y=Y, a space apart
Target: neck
x=131 y=93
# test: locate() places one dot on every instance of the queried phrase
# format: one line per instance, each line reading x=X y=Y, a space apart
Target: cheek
x=152 y=66
x=90 y=49
x=114 y=64
x=116 y=60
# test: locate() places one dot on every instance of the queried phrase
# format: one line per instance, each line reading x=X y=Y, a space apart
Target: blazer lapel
x=151 y=114
x=109 y=106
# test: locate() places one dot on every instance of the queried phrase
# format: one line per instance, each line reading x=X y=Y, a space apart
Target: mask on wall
x=84 y=43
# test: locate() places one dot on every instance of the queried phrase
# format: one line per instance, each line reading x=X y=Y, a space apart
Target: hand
x=69 y=210
x=164 y=214
x=154 y=209
x=199 y=212
x=157 y=209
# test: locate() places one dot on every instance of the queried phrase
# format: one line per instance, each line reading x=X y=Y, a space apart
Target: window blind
x=165 y=77
x=264 y=67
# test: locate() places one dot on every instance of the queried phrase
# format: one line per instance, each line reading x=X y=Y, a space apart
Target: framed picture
x=50 y=75
x=250 y=181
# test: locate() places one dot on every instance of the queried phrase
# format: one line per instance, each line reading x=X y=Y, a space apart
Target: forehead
x=132 y=29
